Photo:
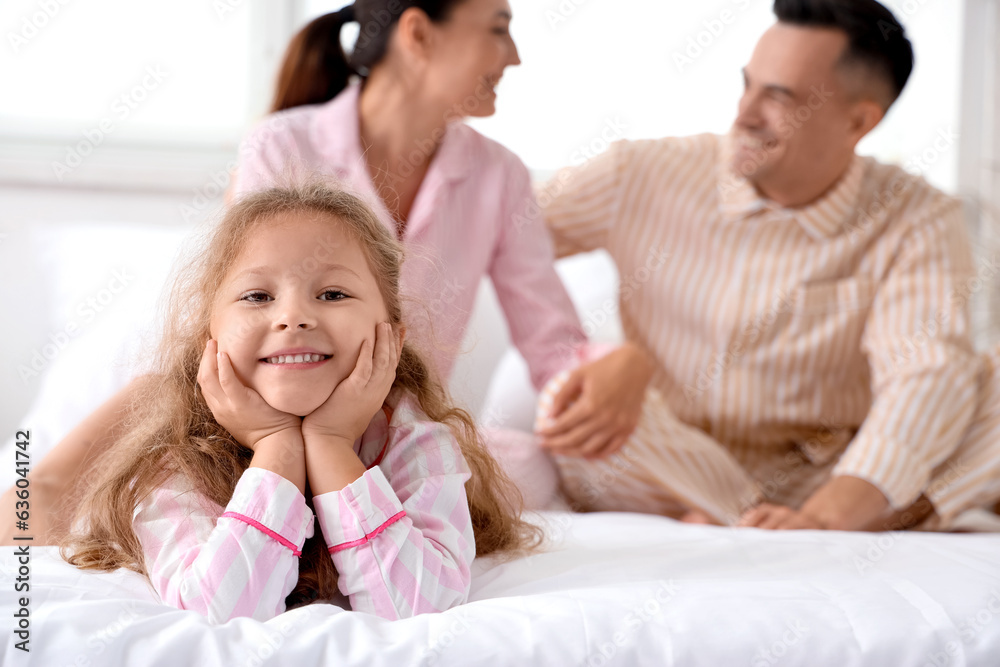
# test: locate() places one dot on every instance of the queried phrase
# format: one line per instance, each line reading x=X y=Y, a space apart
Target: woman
x=461 y=203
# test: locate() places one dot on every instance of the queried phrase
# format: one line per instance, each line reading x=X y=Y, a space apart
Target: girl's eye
x=332 y=295
x=255 y=297
x=503 y=32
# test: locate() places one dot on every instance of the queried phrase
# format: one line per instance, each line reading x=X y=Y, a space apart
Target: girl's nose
x=294 y=316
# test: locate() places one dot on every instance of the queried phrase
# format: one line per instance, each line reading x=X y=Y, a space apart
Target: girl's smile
x=296 y=358
x=295 y=308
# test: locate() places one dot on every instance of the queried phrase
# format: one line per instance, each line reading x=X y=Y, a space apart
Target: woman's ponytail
x=315 y=68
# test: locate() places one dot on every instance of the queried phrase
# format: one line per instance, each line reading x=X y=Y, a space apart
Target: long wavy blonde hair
x=170 y=429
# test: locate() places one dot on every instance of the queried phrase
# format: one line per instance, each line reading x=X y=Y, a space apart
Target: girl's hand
x=353 y=403
x=238 y=408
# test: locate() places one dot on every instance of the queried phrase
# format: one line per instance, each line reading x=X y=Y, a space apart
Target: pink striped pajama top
x=400 y=536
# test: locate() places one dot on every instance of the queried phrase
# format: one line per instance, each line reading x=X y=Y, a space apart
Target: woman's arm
x=542 y=320
x=56 y=481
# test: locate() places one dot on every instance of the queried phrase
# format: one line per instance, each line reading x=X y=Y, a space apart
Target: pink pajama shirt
x=400 y=536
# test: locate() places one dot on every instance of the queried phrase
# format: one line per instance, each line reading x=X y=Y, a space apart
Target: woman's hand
x=346 y=414
x=238 y=408
x=599 y=406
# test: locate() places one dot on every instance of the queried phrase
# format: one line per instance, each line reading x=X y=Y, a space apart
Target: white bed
x=610 y=589
x=614 y=589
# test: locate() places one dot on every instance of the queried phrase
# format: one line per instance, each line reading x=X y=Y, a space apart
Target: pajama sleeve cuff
x=359 y=512
x=273 y=505
x=898 y=474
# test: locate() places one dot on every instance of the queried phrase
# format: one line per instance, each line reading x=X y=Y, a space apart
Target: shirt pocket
x=833 y=297
x=826 y=324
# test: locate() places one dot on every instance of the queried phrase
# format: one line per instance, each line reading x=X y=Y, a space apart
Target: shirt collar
x=337 y=133
x=822 y=219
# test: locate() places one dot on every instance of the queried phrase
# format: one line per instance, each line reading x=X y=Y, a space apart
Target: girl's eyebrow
x=268 y=271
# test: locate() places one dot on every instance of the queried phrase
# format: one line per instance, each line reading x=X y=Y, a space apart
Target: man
x=803 y=359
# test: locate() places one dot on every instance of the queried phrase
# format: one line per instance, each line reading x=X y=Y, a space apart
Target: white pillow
x=102 y=292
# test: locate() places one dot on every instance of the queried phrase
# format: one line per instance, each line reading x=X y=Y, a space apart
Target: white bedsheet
x=612 y=589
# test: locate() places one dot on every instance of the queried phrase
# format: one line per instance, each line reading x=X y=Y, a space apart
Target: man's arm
x=581 y=204
x=924 y=381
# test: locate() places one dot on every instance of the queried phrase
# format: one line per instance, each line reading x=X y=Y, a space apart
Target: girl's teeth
x=295 y=359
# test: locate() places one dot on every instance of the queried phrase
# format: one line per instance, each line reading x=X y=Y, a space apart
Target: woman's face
x=295 y=308
x=469 y=53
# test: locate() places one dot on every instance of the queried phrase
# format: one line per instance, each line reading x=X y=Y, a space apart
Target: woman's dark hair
x=315 y=68
x=876 y=40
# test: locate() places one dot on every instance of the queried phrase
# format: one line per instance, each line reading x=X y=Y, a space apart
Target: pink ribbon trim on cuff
x=264 y=529
x=369 y=537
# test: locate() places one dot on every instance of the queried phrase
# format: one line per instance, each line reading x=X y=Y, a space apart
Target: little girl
x=283 y=376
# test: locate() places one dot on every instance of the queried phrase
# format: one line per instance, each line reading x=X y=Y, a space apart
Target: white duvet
x=611 y=589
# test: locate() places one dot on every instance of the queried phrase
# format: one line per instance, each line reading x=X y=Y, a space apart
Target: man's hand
x=599 y=406
x=843 y=503
x=779 y=517
x=238 y=408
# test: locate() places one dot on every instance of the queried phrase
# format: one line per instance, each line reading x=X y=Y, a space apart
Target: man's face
x=794 y=121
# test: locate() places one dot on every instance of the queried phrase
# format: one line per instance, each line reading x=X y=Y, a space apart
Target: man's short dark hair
x=876 y=40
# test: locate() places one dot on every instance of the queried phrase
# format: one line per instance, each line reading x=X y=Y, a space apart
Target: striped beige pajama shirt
x=791 y=344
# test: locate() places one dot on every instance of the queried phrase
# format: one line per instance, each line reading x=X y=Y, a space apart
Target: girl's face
x=295 y=308
x=470 y=52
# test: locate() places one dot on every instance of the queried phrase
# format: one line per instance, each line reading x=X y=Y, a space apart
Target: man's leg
x=666 y=467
